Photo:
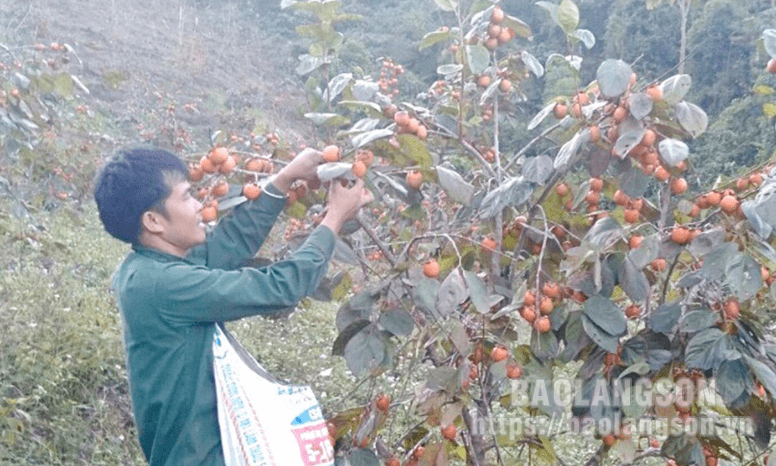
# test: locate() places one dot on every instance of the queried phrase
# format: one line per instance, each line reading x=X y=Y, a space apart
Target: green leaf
x=544 y=345
x=732 y=378
x=665 y=317
x=537 y=169
x=338 y=348
x=479 y=8
x=433 y=38
x=633 y=281
x=416 y=150
x=317 y=49
x=456 y=188
x=543 y=113
x=338 y=84
x=358 y=308
x=742 y=274
x=360 y=105
x=478 y=292
x=512 y=193
x=684 y=448
x=398 y=321
x=627 y=141
x=708 y=349
x=707 y=241
x=716 y=261
x=673 y=151
x=567 y=152
x=363 y=457
x=763 y=89
x=452 y=293
x=315 y=31
x=330 y=171
x=424 y=295
x=599 y=336
x=769 y=109
x=634 y=182
x=442 y=378
x=696 y=321
x=646 y=253
x=568 y=16
x=534 y=65
x=764 y=374
x=604 y=233
x=692 y=118
x=370 y=136
x=478 y=58
x=640 y=105
x=450 y=68
x=460 y=338
x=675 y=88
x=606 y=315
x=613 y=77
x=328 y=119
x=520 y=28
x=769 y=41
x=446 y=5
x=308 y=63
x=365 y=90
x=489 y=92
x=586 y=37
x=574 y=337
x=335 y=40
x=551 y=8
x=365 y=351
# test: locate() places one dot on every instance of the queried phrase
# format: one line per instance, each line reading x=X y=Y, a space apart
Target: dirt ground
x=138 y=55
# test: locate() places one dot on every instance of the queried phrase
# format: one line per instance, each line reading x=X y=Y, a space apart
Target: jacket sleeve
x=238 y=236
x=190 y=293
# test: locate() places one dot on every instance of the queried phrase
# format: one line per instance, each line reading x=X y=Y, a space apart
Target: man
x=178 y=282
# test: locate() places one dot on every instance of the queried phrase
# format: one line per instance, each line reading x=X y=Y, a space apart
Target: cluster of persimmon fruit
x=409 y=124
x=538 y=306
x=497 y=34
x=220 y=161
x=389 y=77
x=488 y=153
x=484 y=81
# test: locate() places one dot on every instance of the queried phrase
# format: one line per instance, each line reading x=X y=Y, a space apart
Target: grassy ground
x=63 y=392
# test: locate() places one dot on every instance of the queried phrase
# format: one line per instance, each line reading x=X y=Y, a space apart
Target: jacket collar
x=159 y=255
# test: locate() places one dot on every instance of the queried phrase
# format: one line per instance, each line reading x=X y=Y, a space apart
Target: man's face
x=182 y=227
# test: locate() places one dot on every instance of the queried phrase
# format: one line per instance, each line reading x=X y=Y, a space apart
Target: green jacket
x=169 y=307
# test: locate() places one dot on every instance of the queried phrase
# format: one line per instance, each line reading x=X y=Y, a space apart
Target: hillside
x=134 y=56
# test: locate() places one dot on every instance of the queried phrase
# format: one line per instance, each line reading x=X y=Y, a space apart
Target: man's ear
x=150 y=222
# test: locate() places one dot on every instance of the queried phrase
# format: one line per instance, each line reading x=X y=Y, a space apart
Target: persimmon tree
x=40 y=87
x=584 y=251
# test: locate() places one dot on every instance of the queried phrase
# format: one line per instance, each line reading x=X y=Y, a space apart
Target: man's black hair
x=132 y=182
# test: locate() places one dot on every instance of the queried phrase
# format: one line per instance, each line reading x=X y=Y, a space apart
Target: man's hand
x=344 y=203
x=303 y=167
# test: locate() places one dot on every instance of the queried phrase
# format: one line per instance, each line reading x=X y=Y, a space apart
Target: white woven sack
x=262 y=421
